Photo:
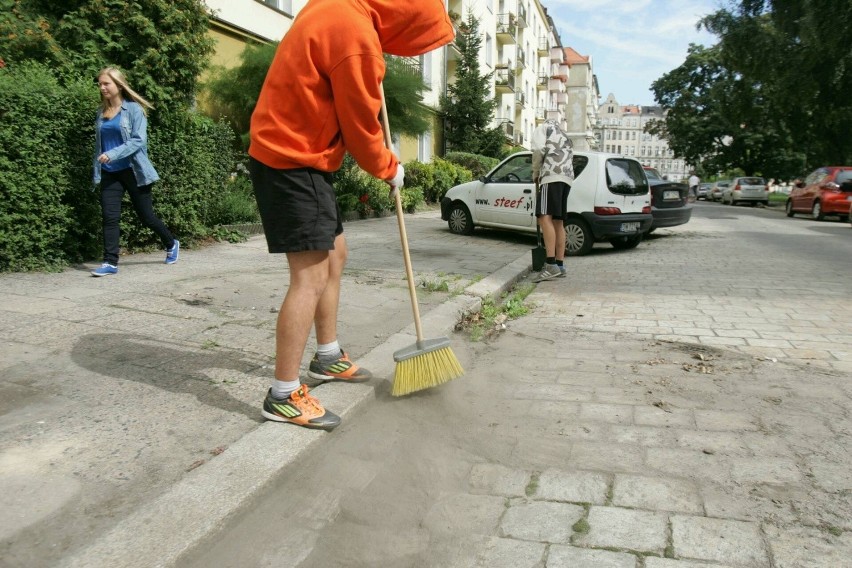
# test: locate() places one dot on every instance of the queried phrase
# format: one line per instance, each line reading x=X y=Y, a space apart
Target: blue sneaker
x=105 y=270
x=172 y=253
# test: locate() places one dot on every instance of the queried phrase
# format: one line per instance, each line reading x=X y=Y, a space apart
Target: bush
x=42 y=160
x=236 y=205
x=51 y=215
x=477 y=165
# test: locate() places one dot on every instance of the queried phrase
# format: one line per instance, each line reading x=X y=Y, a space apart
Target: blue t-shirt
x=111 y=138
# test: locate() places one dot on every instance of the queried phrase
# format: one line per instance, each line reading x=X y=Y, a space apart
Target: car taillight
x=737 y=187
x=646 y=209
x=607 y=211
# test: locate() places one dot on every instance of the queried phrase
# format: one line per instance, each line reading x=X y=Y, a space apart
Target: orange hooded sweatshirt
x=322 y=97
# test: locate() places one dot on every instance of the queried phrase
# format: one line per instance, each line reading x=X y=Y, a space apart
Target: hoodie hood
x=410 y=27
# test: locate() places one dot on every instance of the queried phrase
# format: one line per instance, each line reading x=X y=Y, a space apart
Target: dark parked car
x=669 y=201
x=826 y=191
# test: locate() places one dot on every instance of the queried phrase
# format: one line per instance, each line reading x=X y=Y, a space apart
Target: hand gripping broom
x=429 y=362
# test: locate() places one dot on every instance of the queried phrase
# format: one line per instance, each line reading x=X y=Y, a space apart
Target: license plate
x=671 y=194
x=630 y=227
x=849 y=198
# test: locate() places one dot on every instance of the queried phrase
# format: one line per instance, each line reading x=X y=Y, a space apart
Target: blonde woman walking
x=121 y=164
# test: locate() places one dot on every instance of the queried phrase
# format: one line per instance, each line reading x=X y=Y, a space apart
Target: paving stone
x=607 y=457
x=720 y=420
x=541 y=521
x=765 y=470
x=728 y=443
x=656 y=493
x=831 y=476
x=571 y=557
x=654 y=562
x=719 y=540
x=462 y=513
x=653 y=416
x=642 y=435
x=613 y=527
x=689 y=463
x=612 y=413
x=572 y=486
x=805 y=547
x=508 y=553
x=495 y=479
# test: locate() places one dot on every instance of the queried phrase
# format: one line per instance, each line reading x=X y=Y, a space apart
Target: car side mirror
x=483 y=179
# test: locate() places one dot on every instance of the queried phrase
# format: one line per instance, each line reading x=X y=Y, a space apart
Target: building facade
x=621 y=130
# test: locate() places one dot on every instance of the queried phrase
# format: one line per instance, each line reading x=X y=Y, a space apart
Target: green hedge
x=477 y=165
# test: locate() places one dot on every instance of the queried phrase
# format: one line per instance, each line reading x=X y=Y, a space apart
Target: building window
x=488 y=50
x=285 y=6
x=426 y=67
x=424 y=148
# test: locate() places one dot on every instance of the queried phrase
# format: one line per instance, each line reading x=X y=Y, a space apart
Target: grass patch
x=489 y=320
x=209 y=344
x=581 y=526
x=778 y=198
x=532 y=486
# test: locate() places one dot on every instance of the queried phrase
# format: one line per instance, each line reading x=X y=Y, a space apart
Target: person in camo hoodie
x=553 y=173
x=321 y=98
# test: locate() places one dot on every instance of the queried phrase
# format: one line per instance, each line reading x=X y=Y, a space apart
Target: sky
x=632 y=42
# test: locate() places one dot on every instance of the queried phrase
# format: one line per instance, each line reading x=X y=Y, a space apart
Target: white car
x=609 y=201
x=746 y=190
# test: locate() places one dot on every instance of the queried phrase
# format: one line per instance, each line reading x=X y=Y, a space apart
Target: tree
x=797 y=50
x=162 y=45
x=468 y=106
x=719 y=119
x=233 y=92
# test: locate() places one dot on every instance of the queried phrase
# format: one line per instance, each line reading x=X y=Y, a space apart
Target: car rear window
x=652 y=174
x=579 y=163
x=752 y=181
x=625 y=177
x=844 y=177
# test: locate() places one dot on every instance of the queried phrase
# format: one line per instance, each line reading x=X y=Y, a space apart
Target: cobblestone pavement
x=682 y=405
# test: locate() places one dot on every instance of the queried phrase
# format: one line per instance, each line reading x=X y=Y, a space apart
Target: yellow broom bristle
x=426 y=371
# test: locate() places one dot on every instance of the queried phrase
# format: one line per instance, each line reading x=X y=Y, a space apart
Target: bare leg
x=326 y=316
x=547 y=234
x=309 y=276
x=559 y=239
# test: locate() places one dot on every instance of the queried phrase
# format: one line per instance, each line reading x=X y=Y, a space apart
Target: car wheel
x=460 y=221
x=789 y=208
x=625 y=243
x=817 y=211
x=578 y=238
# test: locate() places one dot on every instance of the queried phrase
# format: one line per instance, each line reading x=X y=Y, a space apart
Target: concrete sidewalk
x=130 y=410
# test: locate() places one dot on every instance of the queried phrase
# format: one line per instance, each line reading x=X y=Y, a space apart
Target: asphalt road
x=687 y=400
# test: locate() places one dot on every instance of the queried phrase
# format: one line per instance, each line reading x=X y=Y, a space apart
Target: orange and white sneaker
x=341 y=369
x=299 y=408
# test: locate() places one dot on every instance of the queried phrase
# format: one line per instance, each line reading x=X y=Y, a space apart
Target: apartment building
x=532 y=76
x=621 y=130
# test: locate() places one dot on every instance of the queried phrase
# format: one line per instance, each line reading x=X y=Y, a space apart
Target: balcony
x=504 y=80
x=522 y=60
x=520 y=99
x=542 y=81
x=508 y=128
x=507 y=29
x=556 y=54
x=543 y=46
x=408 y=64
x=554 y=112
x=540 y=115
x=522 y=16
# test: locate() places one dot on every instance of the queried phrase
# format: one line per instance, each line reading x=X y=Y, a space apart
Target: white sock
x=282 y=389
x=327 y=351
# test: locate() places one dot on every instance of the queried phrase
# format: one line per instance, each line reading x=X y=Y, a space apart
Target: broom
x=429 y=362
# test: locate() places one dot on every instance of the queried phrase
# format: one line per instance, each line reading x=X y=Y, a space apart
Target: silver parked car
x=746 y=190
x=717 y=189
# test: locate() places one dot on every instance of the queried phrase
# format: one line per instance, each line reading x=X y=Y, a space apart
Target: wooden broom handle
x=403 y=238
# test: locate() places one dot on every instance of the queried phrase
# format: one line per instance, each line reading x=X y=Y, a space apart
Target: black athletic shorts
x=552 y=199
x=298 y=208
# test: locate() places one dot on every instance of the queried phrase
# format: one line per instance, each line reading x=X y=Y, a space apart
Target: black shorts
x=298 y=208
x=552 y=199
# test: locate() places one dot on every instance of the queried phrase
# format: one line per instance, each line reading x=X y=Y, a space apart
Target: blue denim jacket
x=134 y=133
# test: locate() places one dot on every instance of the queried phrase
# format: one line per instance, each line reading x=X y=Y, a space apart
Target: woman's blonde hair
x=124 y=89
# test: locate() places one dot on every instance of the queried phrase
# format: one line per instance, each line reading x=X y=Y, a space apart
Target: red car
x=826 y=191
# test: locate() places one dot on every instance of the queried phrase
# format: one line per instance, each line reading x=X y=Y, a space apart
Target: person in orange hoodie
x=322 y=98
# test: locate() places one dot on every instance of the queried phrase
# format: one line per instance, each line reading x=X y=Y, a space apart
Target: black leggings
x=113 y=186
